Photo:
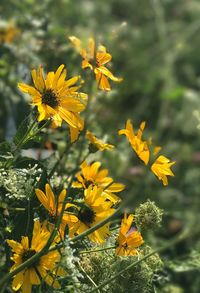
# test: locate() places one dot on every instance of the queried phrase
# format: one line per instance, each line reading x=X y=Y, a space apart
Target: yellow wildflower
x=94 y=210
x=8 y=33
x=129 y=239
x=56 y=98
x=97 y=143
x=95 y=59
x=54 y=206
x=139 y=146
x=91 y=175
x=46 y=267
x=161 y=168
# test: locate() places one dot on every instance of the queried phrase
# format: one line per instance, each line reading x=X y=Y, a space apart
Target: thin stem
x=59 y=160
x=87 y=276
x=97 y=250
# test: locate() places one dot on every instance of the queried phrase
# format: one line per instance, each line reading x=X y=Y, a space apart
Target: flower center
x=86 y=215
x=52 y=218
x=88 y=183
x=28 y=254
x=49 y=98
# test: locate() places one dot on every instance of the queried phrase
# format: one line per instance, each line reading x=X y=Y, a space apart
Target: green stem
x=178 y=239
x=59 y=160
x=37 y=131
x=25 y=138
x=87 y=276
x=97 y=250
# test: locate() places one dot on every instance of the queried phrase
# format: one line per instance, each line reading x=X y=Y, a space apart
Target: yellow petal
x=50 y=197
x=25 y=242
x=26 y=286
x=42 y=198
x=17 y=281
x=34 y=278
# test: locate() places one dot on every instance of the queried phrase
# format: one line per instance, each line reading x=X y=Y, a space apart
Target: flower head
x=8 y=33
x=97 y=143
x=161 y=168
x=54 y=206
x=129 y=239
x=139 y=146
x=46 y=267
x=91 y=175
x=95 y=209
x=56 y=98
x=95 y=59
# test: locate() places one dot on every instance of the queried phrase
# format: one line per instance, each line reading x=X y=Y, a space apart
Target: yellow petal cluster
x=54 y=206
x=96 y=59
x=140 y=147
x=8 y=33
x=46 y=268
x=129 y=239
x=94 y=210
x=97 y=143
x=161 y=166
x=57 y=98
x=91 y=174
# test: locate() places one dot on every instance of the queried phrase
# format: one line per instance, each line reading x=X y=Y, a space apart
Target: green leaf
x=5 y=147
x=21 y=131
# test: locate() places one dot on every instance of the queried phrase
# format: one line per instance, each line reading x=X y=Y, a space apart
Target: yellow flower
x=46 y=267
x=129 y=239
x=94 y=210
x=8 y=33
x=138 y=145
x=161 y=168
x=97 y=143
x=95 y=59
x=91 y=175
x=54 y=207
x=56 y=98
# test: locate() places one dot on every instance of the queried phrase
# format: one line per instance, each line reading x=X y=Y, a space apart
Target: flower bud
x=148 y=216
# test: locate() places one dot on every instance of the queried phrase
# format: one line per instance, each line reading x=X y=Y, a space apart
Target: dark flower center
x=28 y=254
x=86 y=215
x=88 y=183
x=52 y=218
x=49 y=98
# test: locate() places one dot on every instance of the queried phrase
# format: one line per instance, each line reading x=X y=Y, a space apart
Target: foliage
x=155 y=49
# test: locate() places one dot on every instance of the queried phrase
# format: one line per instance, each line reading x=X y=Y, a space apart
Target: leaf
x=5 y=147
x=21 y=131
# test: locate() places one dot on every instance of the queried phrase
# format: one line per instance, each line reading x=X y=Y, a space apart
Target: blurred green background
x=155 y=48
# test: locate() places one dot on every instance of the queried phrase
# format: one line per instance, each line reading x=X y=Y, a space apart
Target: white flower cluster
x=19 y=183
x=69 y=263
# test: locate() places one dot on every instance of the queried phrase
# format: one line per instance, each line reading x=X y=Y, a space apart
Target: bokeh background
x=155 y=48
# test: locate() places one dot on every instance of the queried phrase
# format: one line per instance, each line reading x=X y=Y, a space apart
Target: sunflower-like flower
x=91 y=175
x=129 y=239
x=161 y=168
x=54 y=207
x=98 y=144
x=95 y=59
x=8 y=33
x=45 y=268
x=94 y=210
x=139 y=146
x=56 y=97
